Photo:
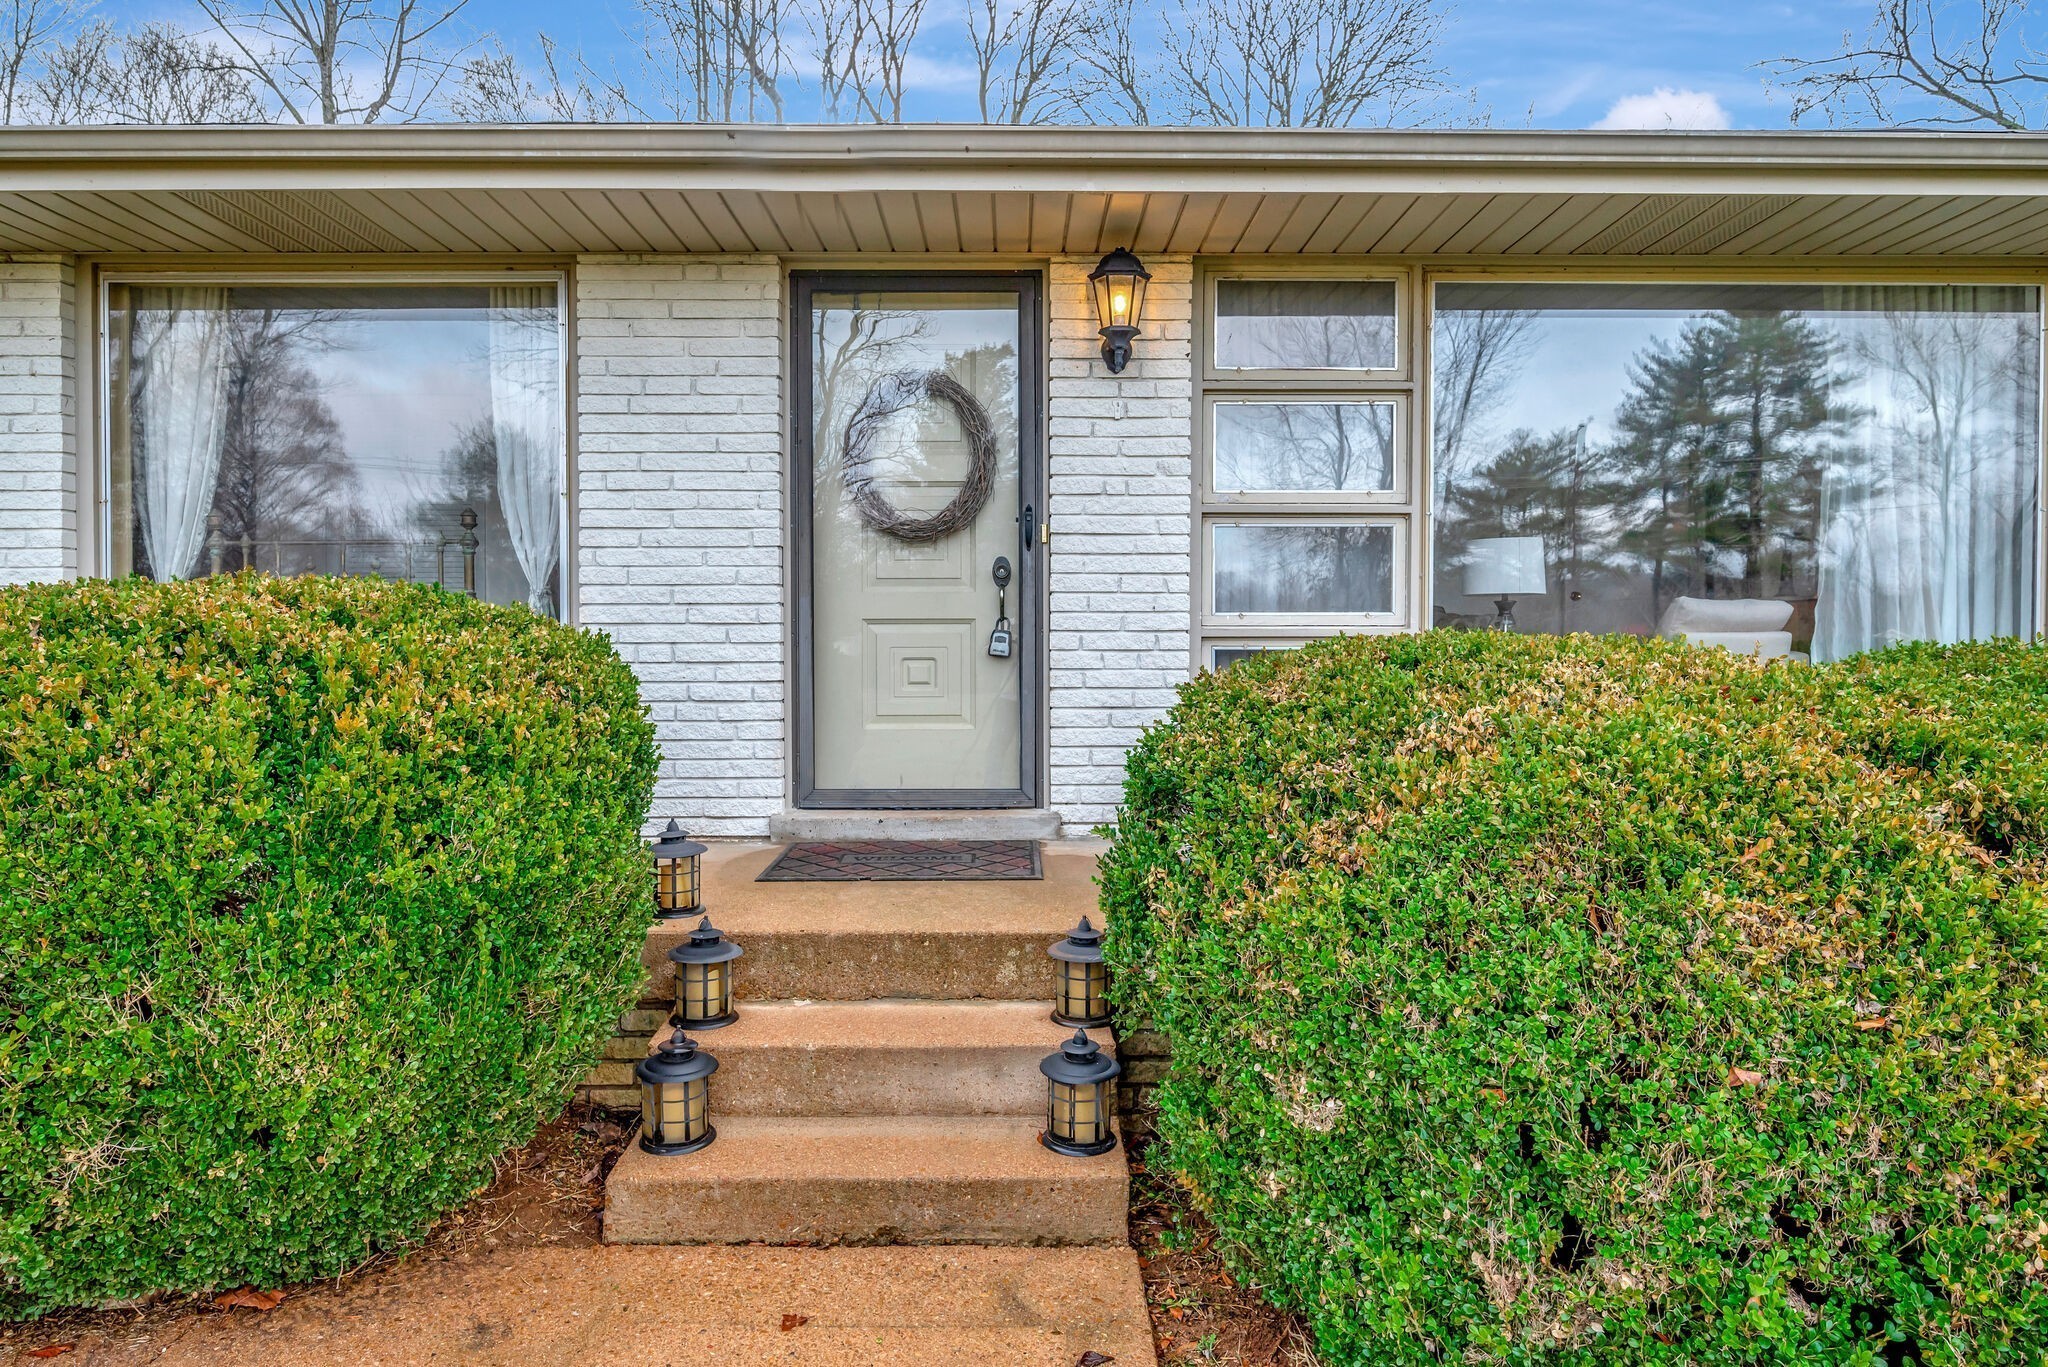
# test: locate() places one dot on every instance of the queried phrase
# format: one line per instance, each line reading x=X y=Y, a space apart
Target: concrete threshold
x=1024 y=823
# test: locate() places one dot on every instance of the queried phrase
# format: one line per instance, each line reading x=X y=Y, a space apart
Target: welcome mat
x=904 y=861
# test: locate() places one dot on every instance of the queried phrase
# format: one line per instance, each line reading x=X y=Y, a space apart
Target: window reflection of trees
x=1868 y=459
x=1305 y=325
x=1340 y=447
x=1329 y=570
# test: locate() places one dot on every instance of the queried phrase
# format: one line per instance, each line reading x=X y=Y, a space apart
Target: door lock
x=999 y=639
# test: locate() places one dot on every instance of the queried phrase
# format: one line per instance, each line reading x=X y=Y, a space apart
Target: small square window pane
x=1223 y=657
x=1305 y=325
x=1301 y=447
x=1303 y=569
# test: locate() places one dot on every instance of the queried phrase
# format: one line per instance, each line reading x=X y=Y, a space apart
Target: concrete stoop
x=881 y=1085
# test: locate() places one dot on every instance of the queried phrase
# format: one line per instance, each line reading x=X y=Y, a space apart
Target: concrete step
x=888 y=1180
x=1003 y=823
x=883 y=1058
x=853 y=941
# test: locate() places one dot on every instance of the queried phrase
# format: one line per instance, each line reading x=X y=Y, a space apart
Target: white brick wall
x=1121 y=462
x=38 y=421
x=681 y=515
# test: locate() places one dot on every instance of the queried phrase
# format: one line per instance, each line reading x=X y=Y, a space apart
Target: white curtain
x=179 y=402
x=526 y=424
x=1927 y=516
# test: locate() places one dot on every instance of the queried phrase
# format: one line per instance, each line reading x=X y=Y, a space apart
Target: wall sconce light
x=1119 y=303
x=704 y=978
x=678 y=874
x=1083 y=976
x=675 y=1097
x=1080 y=1098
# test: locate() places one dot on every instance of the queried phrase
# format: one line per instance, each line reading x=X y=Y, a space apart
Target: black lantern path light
x=678 y=874
x=1119 y=284
x=1079 y=996
x=1080 y=1098
x=704 y=978
x=675 y=1097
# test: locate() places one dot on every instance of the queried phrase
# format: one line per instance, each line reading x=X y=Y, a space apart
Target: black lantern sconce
x=675 y=1097
x=1080 y=1098
x=1119 y=304
x=1079 y=998
x=704 y=978
x=678 y=874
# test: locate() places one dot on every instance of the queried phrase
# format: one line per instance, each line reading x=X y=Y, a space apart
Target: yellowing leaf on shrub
x=1873 y=1023
x=1761 y=847
x=1496 y=1093
x=1743 y=1077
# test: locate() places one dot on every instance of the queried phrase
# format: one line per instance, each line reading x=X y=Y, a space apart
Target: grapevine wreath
x=891 y=394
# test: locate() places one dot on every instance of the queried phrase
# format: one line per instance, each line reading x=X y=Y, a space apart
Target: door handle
x=1030 y=523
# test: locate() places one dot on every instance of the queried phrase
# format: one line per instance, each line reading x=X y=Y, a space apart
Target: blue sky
x=1542 y=63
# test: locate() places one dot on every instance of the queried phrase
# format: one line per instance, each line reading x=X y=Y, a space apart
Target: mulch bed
x=1200 y=1313
x=550 y=1193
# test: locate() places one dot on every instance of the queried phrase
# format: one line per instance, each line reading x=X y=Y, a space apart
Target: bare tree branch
x=495 y=88
x=1029 y=57
x=156 y=75
x=1118 y=70
x=343 y=61
x=1301 y=63
x=1922 y=66
x=837 y=28
x=716 y=60
x=889 y=27
x=29 y=28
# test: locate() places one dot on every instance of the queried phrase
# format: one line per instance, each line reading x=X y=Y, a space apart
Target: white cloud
x=1666 y=108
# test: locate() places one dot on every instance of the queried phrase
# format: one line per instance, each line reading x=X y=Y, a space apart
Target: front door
x=916 y=556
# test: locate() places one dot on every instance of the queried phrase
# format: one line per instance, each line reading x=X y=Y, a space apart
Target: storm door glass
x=914 y=501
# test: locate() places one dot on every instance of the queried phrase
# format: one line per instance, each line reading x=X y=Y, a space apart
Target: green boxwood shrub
x=1540 y=1000
x=315 y=896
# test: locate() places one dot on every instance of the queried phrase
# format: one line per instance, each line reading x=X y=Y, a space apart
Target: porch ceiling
x=937 y=189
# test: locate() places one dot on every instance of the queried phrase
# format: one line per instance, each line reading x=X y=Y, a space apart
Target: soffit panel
x=514 y=218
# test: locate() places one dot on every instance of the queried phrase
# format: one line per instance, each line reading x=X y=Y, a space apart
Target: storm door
x=916 y=540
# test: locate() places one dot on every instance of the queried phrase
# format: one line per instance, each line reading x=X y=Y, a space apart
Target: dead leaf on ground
x=1091 y=1358
x=1742 y=1077
x=248 y=1297
x=1874 y=1023
x=51 y=1350
x=1761 y=847
x=1496 y=1093
x=790 y=1322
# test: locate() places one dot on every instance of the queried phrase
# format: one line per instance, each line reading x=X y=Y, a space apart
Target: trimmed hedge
x=316 y=895
x=1541 y=1000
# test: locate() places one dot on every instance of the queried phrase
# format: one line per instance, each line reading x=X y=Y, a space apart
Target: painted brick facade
x=680 y=517
x=39 y=493
x=1121 y=453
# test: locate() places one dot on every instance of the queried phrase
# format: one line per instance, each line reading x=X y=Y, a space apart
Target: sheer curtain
x=526 y=425
x=179 y=406
x=1927 y=512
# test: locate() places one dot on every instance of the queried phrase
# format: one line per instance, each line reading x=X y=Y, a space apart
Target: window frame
x=229 y=275
x=1333 y=269
x=1606 y=271
x=1399 y=507
x=1394 y=496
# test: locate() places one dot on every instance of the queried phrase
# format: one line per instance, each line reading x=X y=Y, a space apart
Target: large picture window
x=407 y=431
x=1859 y=463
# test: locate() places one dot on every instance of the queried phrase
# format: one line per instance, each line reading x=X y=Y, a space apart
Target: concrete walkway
x=681 y=1307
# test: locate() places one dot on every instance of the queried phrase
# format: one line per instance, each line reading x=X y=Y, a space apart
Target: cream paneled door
x=915 y=540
